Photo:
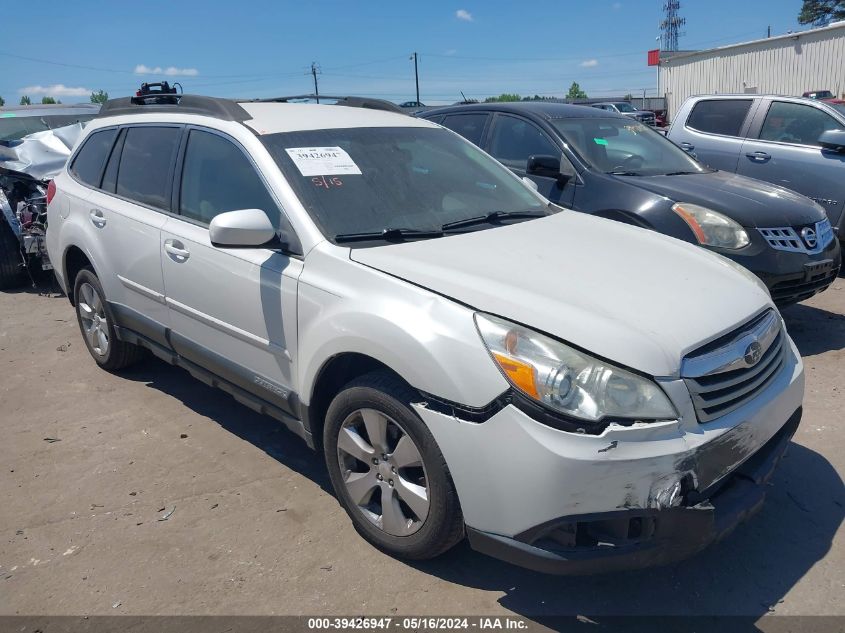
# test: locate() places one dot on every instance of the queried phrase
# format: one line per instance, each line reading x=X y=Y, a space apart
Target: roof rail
x=216 y=107
x=348 y=101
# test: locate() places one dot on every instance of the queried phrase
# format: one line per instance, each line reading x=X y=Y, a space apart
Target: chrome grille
x=721 y=376
x=787 y=238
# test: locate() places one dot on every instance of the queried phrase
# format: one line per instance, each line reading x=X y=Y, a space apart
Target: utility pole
x=769 y=32
x=416 y=75
x=314 y=70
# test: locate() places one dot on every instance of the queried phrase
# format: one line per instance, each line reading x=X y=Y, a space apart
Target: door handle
x=687 y=147
x=97 y=218
x=760 y=157
x=176 y=250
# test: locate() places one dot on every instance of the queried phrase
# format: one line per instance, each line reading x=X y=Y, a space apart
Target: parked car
x=570 y=393
x=788 y=141
x=605 y=164
x=823 y=95
x=626 y=109
x=35 y=141
x=412 y=104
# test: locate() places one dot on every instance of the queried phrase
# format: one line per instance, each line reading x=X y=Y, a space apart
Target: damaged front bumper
x=631 y=539
x=633 y=496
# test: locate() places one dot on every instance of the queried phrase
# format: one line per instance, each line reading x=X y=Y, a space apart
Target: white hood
x=630 y=295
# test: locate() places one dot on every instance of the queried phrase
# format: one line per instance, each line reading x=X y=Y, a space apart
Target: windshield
x=839 y=107
x=625 y=147
x=363 y=180
x=624 y=107
x=14 y=127
x=821 y=94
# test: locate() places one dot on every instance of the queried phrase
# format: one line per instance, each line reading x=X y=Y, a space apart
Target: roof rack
x=216 y=107
x=348 y=101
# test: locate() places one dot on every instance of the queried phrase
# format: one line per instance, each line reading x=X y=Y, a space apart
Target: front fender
x=429 y=340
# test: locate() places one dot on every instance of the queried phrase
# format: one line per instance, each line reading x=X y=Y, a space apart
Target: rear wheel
x=387 y=471
x=11 y=265
x=97 y=325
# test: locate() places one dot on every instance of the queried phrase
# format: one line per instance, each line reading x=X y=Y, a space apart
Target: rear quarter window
x=88 y=164
x=719 y=116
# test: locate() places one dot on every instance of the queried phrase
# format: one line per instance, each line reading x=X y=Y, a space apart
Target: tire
x=377 y=400
x=11 y=270
x=96 y=323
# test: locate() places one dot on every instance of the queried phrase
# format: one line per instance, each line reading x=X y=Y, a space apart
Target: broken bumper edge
x=665 y=536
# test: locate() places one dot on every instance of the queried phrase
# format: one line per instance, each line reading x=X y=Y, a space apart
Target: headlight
x=710 y=227
x=567 y=380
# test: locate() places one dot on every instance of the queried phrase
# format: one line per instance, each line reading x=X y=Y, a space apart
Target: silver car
x=793 y=142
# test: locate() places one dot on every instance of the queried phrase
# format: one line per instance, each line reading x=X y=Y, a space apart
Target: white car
x=570 y=393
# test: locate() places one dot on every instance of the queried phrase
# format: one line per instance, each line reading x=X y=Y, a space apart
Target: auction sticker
x=322 y=161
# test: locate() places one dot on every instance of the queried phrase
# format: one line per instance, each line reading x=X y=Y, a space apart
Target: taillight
x=51 y=190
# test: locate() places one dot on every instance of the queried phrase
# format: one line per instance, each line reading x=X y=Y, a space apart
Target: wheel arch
x=74 y=259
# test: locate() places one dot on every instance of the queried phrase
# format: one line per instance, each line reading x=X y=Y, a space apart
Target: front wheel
x=387 y=471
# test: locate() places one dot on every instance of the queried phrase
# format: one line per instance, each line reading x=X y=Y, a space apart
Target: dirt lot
x=91 y=462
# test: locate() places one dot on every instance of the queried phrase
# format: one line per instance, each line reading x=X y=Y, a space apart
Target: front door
x=232 y=310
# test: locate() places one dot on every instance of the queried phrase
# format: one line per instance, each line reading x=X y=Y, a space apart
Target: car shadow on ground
x=746 y=574
x=264 y=432
x=814 y=330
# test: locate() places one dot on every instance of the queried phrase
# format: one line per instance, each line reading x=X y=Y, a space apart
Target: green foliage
x=629 y=96
x=49 y=101
x=504 y=97
x=26 y=100
x=575 y=92
x=2 y=102
x=100 y=96
x=821 y=12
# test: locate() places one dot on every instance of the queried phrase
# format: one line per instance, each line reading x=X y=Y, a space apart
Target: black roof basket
x=348 y=101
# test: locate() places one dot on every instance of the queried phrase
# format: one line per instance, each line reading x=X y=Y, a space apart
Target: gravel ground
x=150 y=493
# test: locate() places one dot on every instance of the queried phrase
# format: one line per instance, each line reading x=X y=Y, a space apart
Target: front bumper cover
x=659 y=537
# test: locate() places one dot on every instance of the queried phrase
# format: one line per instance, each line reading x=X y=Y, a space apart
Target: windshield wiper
x=624 y=173
x=492 y=218
x=682 y=173
x=388 y=235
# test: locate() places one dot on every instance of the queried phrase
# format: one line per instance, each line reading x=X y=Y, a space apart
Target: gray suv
x=789 y=141
x=626 y=109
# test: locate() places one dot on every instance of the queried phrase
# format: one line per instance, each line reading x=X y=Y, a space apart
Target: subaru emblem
x=753 y=353
x=809 y=236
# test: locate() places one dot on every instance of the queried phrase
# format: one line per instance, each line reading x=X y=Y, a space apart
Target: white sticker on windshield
x=322 y=161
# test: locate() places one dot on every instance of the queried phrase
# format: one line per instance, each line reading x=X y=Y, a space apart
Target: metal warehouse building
x=786 y=64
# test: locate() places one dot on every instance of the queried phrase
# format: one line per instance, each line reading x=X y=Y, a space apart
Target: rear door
x=785 y=151
x=714 y=131
x=512 y=140
x=232 y=310
x=128 y=211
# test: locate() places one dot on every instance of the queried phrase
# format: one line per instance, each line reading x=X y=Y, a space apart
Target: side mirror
x=246 y=227
x=833 y=140
x=548 y=166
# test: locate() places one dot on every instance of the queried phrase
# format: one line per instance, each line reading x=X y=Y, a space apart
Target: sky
x=257 y=48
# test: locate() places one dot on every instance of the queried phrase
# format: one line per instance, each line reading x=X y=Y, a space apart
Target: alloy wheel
x=383 y=472
x=94 y=321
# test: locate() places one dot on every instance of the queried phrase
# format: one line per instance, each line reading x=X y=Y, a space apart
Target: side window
x=719 y=116
x=470 y=126
x=88 y=164
x=796 y=123
x=514 y=140
x=218 y=177
x=146 y=164
x=110 y=175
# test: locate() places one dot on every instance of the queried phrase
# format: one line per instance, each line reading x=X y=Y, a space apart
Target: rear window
x=470 y=126
x=719 y=116
x=88 y=164
x=146 y=165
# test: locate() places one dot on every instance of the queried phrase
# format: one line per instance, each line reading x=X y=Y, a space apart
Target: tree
x=821 y=12
x=48 y=101
x=629 y=97
x=504 y=97
x=101 y=96
x=25 y=100
x=575 y=92
x=2 y=102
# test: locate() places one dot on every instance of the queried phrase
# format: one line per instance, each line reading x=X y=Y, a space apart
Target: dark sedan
x=609 y=165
